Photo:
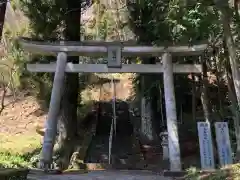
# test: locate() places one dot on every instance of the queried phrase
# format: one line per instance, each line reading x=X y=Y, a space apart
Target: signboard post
x=223 y=143
x=206 y=146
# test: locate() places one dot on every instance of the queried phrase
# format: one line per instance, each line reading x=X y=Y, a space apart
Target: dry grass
x=17 y=125
x=19 y=144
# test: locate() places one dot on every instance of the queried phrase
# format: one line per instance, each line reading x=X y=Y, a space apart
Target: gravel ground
x=106 y=175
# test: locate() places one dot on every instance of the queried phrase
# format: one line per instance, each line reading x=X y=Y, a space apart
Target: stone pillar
x=146 y=120
x=54 y=108
x=171 y=114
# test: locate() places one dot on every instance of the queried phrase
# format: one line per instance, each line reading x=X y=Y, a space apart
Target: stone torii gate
x=114 y=51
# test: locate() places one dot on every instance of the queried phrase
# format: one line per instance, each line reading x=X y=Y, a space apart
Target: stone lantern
x=164 y=143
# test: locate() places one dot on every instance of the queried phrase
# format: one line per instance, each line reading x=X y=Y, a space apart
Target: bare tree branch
x=3 y=95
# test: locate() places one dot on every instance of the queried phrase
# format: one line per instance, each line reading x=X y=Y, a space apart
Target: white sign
x=223 y=143
x=206 y=147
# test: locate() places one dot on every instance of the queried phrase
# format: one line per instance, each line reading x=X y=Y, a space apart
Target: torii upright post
x=54 y=108
x=170 y=101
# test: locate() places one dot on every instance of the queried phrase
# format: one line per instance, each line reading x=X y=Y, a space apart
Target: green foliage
x=10 y=164
x=18 y=160
x=109 y=21
x=231 y=172
x=45 y=17
x=13 y=61
x=166 y=23
x=172 y=22
x=15 y=4
x=169 y=22
x=18 y=58
x=8 y=160
x=46 y=22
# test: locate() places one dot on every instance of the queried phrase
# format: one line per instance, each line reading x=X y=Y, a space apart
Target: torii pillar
x=54 y=108
x=171 y=113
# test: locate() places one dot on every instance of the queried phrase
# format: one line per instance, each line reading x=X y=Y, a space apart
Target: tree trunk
x=231 y=50
x=220 y=106
x=3 y=5
x=236 y=114
x=236 y=7
x=68 y=115
x=146 y=117
x=226 y=19
x=193 y=97
x=146 y=121
x=148 y=133
x=234 y=109
x=204 y=93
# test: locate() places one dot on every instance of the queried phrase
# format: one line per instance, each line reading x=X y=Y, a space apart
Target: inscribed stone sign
x=223 y=143
x=206 y=148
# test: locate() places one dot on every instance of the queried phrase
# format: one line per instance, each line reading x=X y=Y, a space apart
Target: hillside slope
x=17 y=123
x=18 y=120
x=22 y=114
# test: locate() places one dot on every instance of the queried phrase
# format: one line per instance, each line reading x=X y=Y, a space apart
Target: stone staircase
x=123 y=156
x=125 y=153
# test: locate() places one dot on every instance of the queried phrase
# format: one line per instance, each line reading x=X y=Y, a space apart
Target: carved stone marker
x=206 y=147
x=223 y=143
x=164 y=143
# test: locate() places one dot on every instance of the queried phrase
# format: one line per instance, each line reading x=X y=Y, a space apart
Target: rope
x=114 y=123
x=114 y=106
x=110 y=144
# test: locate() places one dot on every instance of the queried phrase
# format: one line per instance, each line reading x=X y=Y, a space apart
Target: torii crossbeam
x=114 y=52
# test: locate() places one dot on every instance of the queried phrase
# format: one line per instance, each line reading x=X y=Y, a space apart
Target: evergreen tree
x=69 y=104
x=50 y=21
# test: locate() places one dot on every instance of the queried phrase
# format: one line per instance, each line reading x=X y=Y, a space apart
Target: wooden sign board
x=206 y=146
x=223 y=143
